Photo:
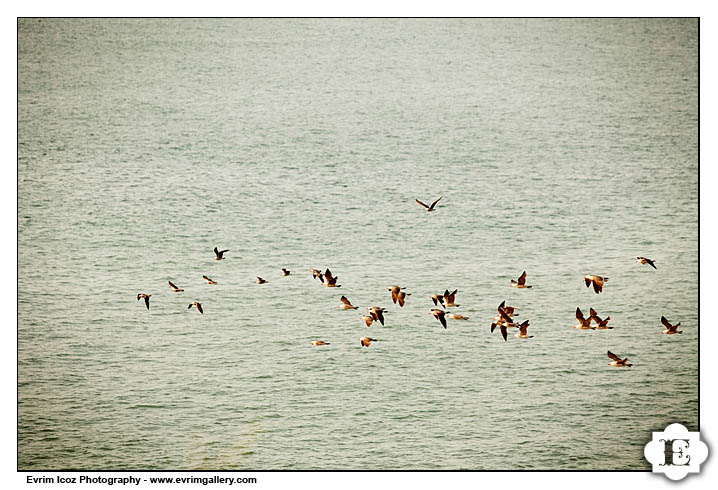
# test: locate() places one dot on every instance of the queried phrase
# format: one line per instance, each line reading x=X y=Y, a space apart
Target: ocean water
x=560 y=147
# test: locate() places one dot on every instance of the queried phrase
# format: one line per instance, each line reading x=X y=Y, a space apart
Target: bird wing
x=504 y=316
x=346 y=301
x=172 y=285
x=597 y=287
x=147 y=302
x=393 y=294
x=503 y=303
x=503 y=331
x=427 y=207
x=666 y=323
x=452 y=296
x=434 y=203
x=199 y=307
x=380 y=316
x=523 y=327
x=206 y=278
x=442 y=318
x=613 y=356
x=433 y=298
x=650 y=262
x=216 y=252
x=579 y=315
x=522 y=279
x=400 y=298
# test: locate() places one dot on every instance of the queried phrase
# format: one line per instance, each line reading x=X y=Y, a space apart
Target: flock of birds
x=443 y=301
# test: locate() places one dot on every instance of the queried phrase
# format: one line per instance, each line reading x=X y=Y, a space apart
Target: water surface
x=561 y=147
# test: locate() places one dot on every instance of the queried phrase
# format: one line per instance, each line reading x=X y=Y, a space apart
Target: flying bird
x=366 y=341
x=346 y=304
x=198 y=305
x=522 y=331
x=449 y=299
x=617 y=361
x=596 y=280
x=261 y=281
x=602 y=324
x=331 y=281
x=439 y=315
x=429 y=209
x=395 y=290
x=670 y=329
x=319 y=342
x=146 y=297
x=521 y=283
x=209 y=281
x=285 y=272
x=175 y=288
x=644 y=260
x=219 y=253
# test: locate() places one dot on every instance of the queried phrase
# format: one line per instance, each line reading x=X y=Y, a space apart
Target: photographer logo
x=676 y=452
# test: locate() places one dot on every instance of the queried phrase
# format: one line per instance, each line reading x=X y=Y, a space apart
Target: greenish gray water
x=561 y=147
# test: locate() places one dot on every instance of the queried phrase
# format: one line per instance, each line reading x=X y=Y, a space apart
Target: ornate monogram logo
x=676 y=452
